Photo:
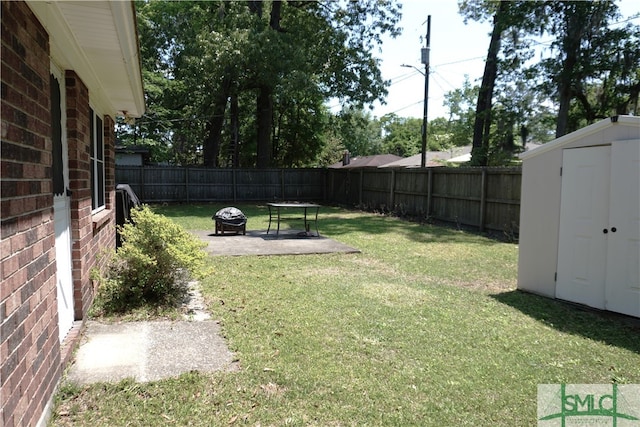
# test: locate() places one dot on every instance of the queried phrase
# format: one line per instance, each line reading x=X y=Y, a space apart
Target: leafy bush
x=152 y=266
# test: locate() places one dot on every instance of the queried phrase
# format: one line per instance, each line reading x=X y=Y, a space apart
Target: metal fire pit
x=230 y=219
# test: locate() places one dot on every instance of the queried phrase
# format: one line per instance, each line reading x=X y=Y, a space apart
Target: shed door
x=623 y=258
x=584 y=213
x=61 y=207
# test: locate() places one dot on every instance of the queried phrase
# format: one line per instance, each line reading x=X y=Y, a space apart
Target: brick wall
x=29 y=347
x=91 y=235
x=30 y=351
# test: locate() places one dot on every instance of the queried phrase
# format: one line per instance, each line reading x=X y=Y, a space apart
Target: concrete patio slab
x=258 y=242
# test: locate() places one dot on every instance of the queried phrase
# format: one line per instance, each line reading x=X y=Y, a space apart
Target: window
x=97 y=162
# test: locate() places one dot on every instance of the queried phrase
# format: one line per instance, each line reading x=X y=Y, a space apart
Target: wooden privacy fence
x=486 y=198
x=184 y=184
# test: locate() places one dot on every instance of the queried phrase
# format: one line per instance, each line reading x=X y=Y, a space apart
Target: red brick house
x=68 y=69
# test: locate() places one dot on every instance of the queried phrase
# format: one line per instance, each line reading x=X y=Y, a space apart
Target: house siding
x=31 y=353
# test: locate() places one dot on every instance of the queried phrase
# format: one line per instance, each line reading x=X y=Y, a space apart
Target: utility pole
x=425 y=60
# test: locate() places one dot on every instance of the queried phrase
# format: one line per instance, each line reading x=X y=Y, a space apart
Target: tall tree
x=590 y=70
x=594 y=67
x=481 y=127
x=265 y=87
x=576 y=24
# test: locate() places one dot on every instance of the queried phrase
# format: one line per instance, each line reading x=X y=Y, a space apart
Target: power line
x=460 y=61
x=435 y=73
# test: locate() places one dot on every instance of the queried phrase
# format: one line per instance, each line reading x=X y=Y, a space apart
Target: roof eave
x=117 y=89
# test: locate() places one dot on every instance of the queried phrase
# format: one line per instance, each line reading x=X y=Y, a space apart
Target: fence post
x=429 y=190
x=360 y=184
x=483 y=196
x=346 y=192
x=282 y=193
x=186 y=182
x=325 y=172
x=392 y=189
x=234 y=183
x=144 y=187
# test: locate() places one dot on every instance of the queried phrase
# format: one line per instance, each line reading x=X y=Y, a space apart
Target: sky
x=456 y=50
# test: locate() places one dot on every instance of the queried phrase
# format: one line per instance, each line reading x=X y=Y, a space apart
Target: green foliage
x=332 y=150
x=594 y=66
x=402 y=135
x=292 y=56
x=152 y=265
x=589 y=71
x=586 y=72
x=358 y=132
x=462 y=106
x=440 y=136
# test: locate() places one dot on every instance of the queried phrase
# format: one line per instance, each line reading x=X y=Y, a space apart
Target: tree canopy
x=246 y=83
x=590 y=70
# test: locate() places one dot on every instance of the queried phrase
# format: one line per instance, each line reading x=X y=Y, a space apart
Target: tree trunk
x=263 y=114
x=264 y=103
x=211 y=144
x=482 y=124
x=235 y=132
x=564 y=92
x=276 y=8
x=255 y=7
x=571 y=47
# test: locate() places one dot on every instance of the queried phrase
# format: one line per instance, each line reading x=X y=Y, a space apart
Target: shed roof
x=581 y=133
x=99 y=41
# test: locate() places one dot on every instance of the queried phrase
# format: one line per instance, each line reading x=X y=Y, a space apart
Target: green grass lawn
x=424 y=327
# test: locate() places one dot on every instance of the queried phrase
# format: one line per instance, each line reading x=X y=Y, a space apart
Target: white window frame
x=97 y=161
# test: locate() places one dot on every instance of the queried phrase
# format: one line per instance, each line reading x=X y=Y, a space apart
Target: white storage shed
x=580 y=217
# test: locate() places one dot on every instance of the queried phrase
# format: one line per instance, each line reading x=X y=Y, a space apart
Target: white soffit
x=99 y=41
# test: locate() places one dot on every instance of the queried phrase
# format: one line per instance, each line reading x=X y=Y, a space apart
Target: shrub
x=152 y=266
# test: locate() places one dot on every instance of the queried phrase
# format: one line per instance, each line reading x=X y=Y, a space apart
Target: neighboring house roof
x=99 y=41
x=532 y=146
x=434 y=158
x=460 y=159
x=133 y=155
x=131 y=149
x=367 y=161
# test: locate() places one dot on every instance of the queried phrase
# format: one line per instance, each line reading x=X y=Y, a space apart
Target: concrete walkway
x=149 y=351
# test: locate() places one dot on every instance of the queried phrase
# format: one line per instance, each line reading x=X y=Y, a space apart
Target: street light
x=424 y=54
